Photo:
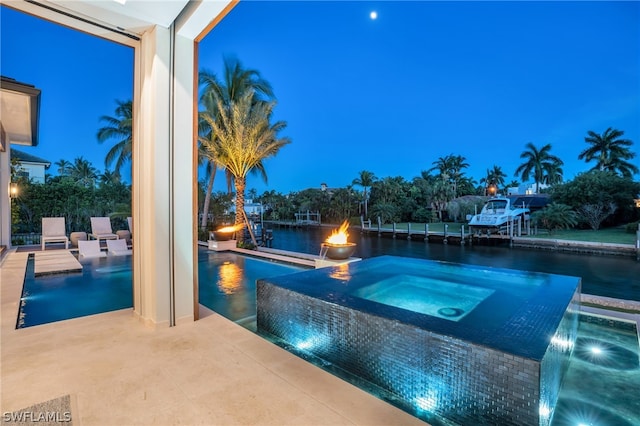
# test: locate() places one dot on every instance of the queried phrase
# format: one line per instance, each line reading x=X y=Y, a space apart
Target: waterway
x=609 y=276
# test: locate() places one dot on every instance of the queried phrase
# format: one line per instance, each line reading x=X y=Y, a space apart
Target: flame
x=340 y=235
x=230 y=229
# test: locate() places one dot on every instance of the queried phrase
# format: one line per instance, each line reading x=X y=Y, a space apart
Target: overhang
x=19 y=113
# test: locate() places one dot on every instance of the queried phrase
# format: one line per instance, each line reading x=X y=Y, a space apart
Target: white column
x=163 y=176
x=184 y=179
x=5 y=201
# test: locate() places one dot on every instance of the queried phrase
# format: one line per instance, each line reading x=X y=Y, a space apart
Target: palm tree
x=120 y=129
x=237 y=82
x=365 y=179
x=450 y=169
x=64 y=167
x=540 y=163
x=109 y=177
x=83 y=172
x=245 y=137
x=610 y=152
x=494 y=177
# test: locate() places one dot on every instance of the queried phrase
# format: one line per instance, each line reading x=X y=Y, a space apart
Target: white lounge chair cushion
x=90 y=248
x=101 y=228
x=118 y=247
x=53 y=229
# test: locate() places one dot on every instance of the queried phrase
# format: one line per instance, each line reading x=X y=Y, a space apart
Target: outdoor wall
x=5 y=201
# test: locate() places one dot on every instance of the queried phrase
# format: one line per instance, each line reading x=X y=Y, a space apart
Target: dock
x=53 y=262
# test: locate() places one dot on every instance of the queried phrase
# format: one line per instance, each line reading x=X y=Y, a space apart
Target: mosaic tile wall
x=431 y=374
x=556 y=359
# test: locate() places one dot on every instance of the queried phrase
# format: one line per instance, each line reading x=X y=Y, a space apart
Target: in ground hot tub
x=450 y=342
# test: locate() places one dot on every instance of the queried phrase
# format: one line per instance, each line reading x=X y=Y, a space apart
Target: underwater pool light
x=544 y=410
x=426 y=403
x=596 y=350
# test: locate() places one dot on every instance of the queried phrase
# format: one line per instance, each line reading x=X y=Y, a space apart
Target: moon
x=373 y=15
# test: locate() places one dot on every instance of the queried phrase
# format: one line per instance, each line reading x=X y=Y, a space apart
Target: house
x=30 y=166
x=19 y=117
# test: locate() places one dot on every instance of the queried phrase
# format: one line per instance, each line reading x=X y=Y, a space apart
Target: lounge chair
x=53 y=230
x=101 y=229
x=90 y=248
x=118 y=247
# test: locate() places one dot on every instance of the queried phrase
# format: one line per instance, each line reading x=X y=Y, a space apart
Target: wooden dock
x=54 y=262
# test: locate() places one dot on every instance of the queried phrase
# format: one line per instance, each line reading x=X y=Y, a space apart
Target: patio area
x=209 y=372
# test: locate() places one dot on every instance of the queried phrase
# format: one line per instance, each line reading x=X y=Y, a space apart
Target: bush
x=632 y=227
x=555 y=216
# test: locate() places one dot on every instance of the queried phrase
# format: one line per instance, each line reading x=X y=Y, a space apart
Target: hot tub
x=450 y=342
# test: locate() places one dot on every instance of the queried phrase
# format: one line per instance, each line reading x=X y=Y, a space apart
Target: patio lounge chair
x=53 y=230
x=118 y=247
x=101 y=229
x=90 y=249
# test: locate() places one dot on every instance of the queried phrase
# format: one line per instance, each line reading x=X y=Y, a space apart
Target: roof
x=28 y=158
x=20 y=111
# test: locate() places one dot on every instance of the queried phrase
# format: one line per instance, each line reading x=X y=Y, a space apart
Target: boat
x=496 y=216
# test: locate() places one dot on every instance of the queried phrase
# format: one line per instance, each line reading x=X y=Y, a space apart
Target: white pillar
x=163 y=176
x=5 y=201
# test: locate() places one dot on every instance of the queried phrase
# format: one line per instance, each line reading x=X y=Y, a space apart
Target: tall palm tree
x=494 y=177
x=64 y=167
x=237 y=81
x=539 y=163
x=120 y=129
x=610 y=151
x=450 y=170
x=365 y=179
x=245 y=136
x=109 y=177
x=83 y=172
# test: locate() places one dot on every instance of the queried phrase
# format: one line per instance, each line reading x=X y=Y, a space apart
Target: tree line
x=237 y=132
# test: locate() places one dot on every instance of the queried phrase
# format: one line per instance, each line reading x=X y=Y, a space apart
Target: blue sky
x=390 y=95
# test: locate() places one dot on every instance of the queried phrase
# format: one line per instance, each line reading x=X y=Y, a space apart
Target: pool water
x=104 y=285
x=226 y=285
x=428 y=296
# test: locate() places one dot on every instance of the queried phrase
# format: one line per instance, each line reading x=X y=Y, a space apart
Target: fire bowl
x=339 y=251
x=222 y=236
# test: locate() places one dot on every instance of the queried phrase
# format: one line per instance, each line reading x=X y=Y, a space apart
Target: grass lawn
x=608 y=235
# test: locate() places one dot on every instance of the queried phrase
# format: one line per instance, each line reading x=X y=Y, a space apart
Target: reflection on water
x=230 y=277
x=341 y=272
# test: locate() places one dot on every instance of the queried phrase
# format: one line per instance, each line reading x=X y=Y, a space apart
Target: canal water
x=610 y=276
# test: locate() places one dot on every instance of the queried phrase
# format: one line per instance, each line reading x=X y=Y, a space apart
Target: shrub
x=555 y=216
x=632 y=227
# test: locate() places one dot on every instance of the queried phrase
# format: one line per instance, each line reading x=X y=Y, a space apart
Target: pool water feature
x=501 y=363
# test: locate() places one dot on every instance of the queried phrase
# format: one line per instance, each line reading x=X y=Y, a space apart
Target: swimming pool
x=226 y=285
x=104 y=285
x=596 y=391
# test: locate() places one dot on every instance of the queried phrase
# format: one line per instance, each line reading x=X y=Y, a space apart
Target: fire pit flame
x=339 y=236
x=226 y=232
x=336 y=245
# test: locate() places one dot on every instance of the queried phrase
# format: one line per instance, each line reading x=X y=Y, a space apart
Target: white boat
x=496 y=216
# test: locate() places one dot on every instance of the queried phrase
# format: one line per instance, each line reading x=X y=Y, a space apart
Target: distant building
x=526 y=189
x=30 y=167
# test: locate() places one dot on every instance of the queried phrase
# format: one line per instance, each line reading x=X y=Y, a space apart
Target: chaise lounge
x=101 y=229
x=87 y=249
x=53 y=230
x=118 y=247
